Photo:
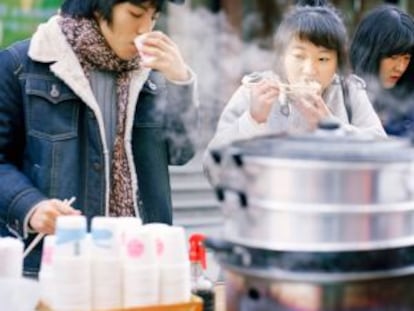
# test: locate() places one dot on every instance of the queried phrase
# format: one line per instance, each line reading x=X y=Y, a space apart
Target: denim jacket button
x=54 y=92
x=97 y=166
x=152 y=85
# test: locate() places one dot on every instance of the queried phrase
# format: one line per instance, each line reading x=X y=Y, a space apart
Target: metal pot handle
x=216 y=156
x=242 y=197
x=218 y=245
x=212 y=167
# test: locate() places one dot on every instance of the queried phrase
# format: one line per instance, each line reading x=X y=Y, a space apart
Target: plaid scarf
x=94 y=53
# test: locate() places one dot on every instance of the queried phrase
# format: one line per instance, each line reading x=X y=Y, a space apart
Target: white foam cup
x=74 y=294
x=139 y=280
x=126 y=224
x=71 y=270
x=48 y=250
x=71 y=238
x=179 y=293
x=105 y=237
x=106 y=269
x=47 y=287
x=174 y=248
x=175 y=273
x=139 y=247
x=11 y=258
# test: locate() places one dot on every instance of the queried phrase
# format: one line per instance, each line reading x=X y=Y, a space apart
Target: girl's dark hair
x=383 y=32
x=319 y=25
x=87 y=8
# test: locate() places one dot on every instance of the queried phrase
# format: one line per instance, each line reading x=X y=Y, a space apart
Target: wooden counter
x=220 y=303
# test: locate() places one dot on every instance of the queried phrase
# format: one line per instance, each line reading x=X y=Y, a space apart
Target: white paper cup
x=139 y=43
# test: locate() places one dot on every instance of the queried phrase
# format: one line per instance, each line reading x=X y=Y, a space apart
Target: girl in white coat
x=307 y=84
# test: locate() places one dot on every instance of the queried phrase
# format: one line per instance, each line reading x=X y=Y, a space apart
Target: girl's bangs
x=320 y=33
x=400 y=42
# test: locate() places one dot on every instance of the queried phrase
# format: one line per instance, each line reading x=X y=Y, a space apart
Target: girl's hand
x=263 y=96
x=313 y=108
x=159 y=52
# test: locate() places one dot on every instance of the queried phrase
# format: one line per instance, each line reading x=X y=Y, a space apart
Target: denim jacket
x=52 y=142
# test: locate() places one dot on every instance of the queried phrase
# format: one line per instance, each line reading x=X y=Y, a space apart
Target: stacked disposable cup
x=46 y=277
x=158 y=231
x=141 y=270
x=127 y=224
x=106 y=264
x=175 y=280
x=11 y=258
x=71 y=265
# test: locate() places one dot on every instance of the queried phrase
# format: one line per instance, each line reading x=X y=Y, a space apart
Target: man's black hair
x=87 y=8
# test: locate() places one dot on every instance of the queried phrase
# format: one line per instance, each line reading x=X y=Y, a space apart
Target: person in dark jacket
x=84 y=114
x=381 y=52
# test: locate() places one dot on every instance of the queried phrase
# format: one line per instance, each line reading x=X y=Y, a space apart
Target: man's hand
x=43 y=219
x=159 y=52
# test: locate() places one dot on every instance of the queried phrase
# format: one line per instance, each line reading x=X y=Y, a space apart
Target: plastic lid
x=197 y=249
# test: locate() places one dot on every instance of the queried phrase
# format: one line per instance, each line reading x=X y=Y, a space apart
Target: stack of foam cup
x=106 y=264
x=11 y=258
x=46 y=277
x=175 y=280
x=126 y=224
x=141 y=270
x=157 y=230
x=71 y=265
x=141 y=273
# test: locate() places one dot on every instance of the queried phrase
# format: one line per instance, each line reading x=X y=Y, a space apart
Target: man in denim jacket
x=84 y=114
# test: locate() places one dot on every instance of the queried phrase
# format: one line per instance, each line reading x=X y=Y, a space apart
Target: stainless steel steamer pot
x=321 y=191
x=316 y=222
x=263 y=280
